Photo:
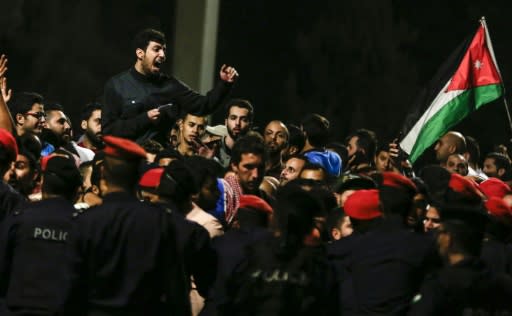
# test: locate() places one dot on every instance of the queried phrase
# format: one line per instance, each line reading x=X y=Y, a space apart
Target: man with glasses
x=27 y=110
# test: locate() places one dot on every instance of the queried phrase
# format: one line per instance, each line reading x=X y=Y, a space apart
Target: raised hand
x=228 y=73
x=6 y=93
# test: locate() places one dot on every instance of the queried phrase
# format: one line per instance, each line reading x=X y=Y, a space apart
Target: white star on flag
x=478 y=64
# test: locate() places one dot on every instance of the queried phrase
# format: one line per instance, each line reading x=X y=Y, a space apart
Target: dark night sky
x=358 y=62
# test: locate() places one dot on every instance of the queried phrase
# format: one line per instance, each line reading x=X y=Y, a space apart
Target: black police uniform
x=35 y=258
x=387 y=266
x=230 y=249
x=466 y=288
x=10 y=200
x=273 y=280
x=128 y=260
x=195 y=248
x=338 y=254
x=129 y=95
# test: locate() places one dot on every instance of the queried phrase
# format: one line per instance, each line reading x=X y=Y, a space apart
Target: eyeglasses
x=37 y=115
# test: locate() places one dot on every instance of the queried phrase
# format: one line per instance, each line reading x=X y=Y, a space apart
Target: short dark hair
x=61 y=177
x=334 y=219
x=120 y=172
x=22 y=102
x=473 y=149
x=366 y=140
x=294 y=212
x=152 y=146
x=463 y=238
x=202 y=168
x=142 y=39
x=316 y=129
x=241 y=103
x=313 y=166
x=297 y=137
x=500 y=160
x=248 y=144
x=168 y=152
x=53 y=107
x=31 y=143
x=88 y=109
x=298 y=156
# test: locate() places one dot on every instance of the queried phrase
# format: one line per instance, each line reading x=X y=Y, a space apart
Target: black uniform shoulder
x=10 y=200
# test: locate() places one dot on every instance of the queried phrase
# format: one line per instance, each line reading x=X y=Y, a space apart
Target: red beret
x=254 y=202
x=9 y=143
x=467 y=188
x=497 y=207
x=494 y=187
x=151 y=178
x=363 y=204
x=396 y=180
x=122 y=148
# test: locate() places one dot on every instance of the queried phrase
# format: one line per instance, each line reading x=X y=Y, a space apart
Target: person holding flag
x=467 y=81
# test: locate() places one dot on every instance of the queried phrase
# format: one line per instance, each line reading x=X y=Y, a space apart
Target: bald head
x=276 y=136
x=451 y=143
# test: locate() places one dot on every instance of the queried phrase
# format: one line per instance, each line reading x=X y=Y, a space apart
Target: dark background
x=358 y=62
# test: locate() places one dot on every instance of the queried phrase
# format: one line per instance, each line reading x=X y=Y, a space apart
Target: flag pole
x=505 y=103
x=491 y=50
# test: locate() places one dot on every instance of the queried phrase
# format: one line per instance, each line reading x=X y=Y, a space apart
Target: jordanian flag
x=469 y=79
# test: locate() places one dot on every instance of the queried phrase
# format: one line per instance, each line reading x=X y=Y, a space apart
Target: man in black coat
x=193 y=240
x=464 y=286
x=35 y=245
x=10 y=199
x=385 y=262
x=138 y=101
x=126 y=249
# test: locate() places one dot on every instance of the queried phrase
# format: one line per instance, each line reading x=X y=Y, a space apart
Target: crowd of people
x=153 y=210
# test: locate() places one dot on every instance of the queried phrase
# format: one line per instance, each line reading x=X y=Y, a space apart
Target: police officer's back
x=35 y=257
x=250 y=225
x=287 y=273
x=125 y=246
x=465 y=286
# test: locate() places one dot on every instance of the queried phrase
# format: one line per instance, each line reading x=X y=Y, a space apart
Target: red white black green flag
x=467 y=81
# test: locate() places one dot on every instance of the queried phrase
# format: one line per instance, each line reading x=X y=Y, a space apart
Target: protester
x=153 y=107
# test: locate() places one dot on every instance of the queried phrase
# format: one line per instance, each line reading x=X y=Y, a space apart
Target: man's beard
x=57 y=141
x=237 y=136
x=274 y=150
x=94 y=138
x=23 y=186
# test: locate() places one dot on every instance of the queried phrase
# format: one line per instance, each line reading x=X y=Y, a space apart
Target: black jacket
x=128 y=260
x=10 y=200
x=195 y=248
x=36 y=266
x=129 y=95
x=466 y=288
x=386 y=266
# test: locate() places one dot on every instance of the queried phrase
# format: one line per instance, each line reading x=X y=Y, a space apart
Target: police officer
x=464 y=286
x=9 y=198
x=35 y=261
x=199 y=260
x=129 y=264
x=386 y=261
x=251 y=224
